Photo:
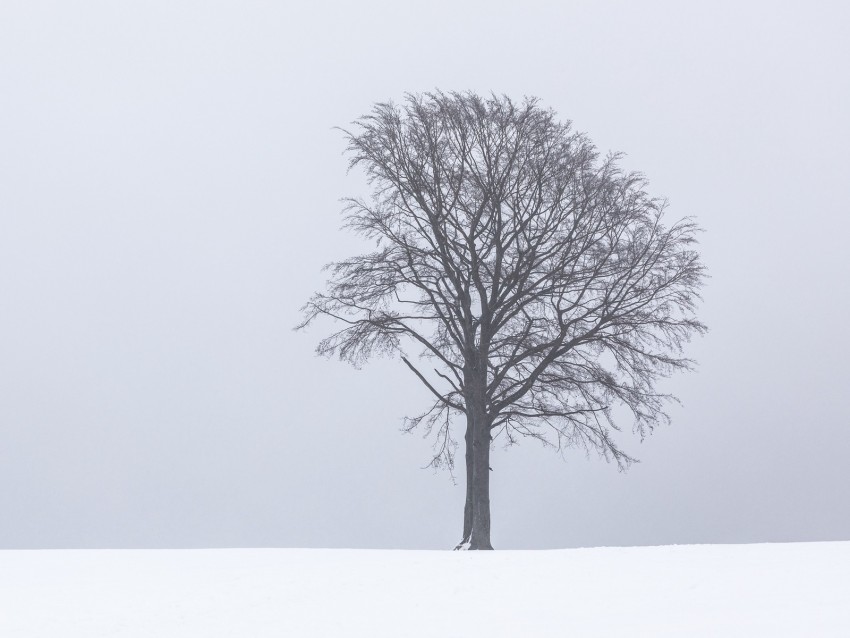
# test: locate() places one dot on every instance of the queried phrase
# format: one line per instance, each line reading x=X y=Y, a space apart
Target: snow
x=775 y=590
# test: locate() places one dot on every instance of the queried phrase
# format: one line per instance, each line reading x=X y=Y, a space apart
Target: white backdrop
x=169 y=185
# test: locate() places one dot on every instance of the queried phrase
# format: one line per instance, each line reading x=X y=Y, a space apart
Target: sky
x=170 y=178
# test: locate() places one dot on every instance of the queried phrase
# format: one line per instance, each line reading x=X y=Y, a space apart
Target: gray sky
x=169 y=185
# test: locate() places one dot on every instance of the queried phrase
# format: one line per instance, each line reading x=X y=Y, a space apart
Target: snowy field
x=773 y=590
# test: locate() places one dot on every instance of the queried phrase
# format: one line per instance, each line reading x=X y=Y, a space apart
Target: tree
x=537 y=279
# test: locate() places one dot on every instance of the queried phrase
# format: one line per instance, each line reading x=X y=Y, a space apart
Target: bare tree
x=535 y=277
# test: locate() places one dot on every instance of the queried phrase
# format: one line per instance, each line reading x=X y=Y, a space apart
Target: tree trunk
x=476 y=511
x=480 y=537
x=467 y=508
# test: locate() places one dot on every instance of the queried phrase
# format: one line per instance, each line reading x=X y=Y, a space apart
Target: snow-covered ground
x=772 y=590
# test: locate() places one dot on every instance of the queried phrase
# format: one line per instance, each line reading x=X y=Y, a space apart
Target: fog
x=170 y=179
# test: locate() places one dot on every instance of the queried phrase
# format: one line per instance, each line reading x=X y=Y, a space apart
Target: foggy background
x=169 y=186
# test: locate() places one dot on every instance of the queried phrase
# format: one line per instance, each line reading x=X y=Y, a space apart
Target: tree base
x=466 y=545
